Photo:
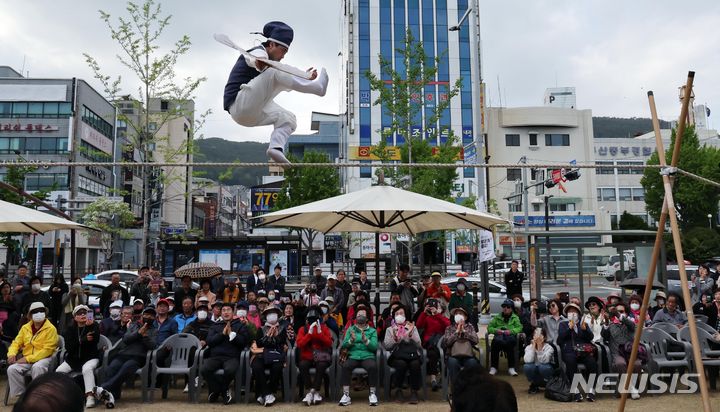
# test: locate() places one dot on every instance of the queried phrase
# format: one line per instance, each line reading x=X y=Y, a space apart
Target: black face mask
x=312 y=319
x=148 y=321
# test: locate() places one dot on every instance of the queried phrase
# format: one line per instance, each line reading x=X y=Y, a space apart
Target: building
x=60 y=120
x=218 y=210
x=326 y=138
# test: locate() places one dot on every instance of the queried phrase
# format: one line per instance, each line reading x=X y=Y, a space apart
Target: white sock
x=317 y=86
x=372 y=390
x=346 y=390
x=277 y=156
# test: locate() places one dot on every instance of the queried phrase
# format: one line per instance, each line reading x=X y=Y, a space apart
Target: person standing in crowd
x=538 y=361
x=315 y=344
x=506 y=327
x=425 y=281
x=226 y=340
x=36 y=294
x=309 y=295
x=233 y=293
x=361 y=345
x=205 y=292
x=436 y=290
x=620 y=333
x=458 y=342
x=318 y=280
x=57 y=290
x=217 y=284
x=141 y=287
x=188 y=314
x=115 y=326
x=32 y=349
x=262 y=284
x=433 y=323
x=461 y=298
x=21 y=286
x=82 y=352
x=155 y=294
x=333 y=291
x=9 y=318
x=402 y=340
x=701 y=285
x=403 y=285
x=112 y=292
x=514 y=279
x=130 y=356
x=344 y=285
x=364 y=282
x=184 y=290
x=252 y=280
x=272 y=339
x=660 y=299
x=277 y=280
x=570 y=334
x=74 y=296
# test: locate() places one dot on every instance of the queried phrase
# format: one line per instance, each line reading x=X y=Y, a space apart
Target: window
x=512 y=140
x=513 y=175
x=557 y=140
x=365 y=171
x=564 y=207
x=164 y=104
x=35 y=109
x=45 y=181
x=514 y=208
x=604 y=170
x=625 y=193
x=97 y=122
x=5 y=109
x=638 y=194
x=33 y=145
x=536 y=207
x=628 y=171
x=533 y=139
x=608 y=193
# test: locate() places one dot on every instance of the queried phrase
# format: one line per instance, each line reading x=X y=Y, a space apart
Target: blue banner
x=557 y=221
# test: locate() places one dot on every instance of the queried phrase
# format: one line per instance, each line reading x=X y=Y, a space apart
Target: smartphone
x=91 y=316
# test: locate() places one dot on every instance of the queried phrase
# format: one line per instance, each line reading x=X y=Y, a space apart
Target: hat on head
x=36 y=305
x=272 y=308
x=149 y=309
x=571 y=306
x=594 y=299
x=278 y=32
x=203 y=299
x=436 y=273
x=323 y=303
x=330 y=299
x=117 y=304
x=140 y=301
x=170 y=299
x=78 y=308
x=163 y=301
x=332 y=276
x=660 y=294
x=508 y=303
x=613 y=295
x=203 y=307
x=318 y=269
x=459 y=309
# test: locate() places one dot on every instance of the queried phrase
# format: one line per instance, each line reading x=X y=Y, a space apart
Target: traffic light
x=549 y=184
x=572 y=175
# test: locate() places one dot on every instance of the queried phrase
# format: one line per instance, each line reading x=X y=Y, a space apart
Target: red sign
x=364 y=151
x=29 y=128
x=557 y=176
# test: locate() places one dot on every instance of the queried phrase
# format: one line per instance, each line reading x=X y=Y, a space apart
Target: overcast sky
x=612 y=51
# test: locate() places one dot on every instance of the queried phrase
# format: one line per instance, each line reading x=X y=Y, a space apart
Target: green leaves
x=307 y=184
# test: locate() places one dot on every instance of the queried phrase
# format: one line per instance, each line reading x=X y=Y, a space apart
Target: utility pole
x=547 y=238
x=523 y=160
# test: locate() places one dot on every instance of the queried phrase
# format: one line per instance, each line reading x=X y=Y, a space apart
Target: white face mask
x=272 y=317
x=324 y=310
x=242 y=313
x=461 y=287
x=38 y=317
x=170 y=308
x=77 y=286
x=261 y=277
x=517 y=304
x=459 y=318
x=271 y=297
x=36 y=287
x=634 y=306
x=115 y=314
x=573 y=316
x=400 y=319
x=202 y=315
x=622 y=316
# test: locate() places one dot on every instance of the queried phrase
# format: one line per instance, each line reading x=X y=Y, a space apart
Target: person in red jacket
x=439 y=291
x=315 y=343
x=433 y=324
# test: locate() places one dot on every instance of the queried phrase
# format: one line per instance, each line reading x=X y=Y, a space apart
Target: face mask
x=271 y=297
x=272 y=318
x=261 y=277
x=148 y=321
x=36 y=287
x=459 y=318
x=573 y=317
x=517 y=304
x=324 y=310
x=622 y=316
x=634 y=306
x=115 y=314
x=400 y=319
x=38 y=317
x=661 y=301
x=242 y=313
x=202 y=315
x=170 y=308
x=361 y=320
x=77 y=286
x=461 y=287
x=312 y=319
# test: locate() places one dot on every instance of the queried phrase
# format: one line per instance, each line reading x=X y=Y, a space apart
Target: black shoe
x=228 y=397
x=213 y=397
x=533 y=389
x=590 y=397
x=435 y=386
x=413 y=398
x=578 y=397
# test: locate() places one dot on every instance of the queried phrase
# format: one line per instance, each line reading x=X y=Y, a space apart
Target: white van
x=609 y=267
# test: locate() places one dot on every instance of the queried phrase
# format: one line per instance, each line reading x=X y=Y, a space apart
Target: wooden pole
x=668 y=211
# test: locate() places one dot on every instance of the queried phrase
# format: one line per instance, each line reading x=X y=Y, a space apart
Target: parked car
x=497 y=290
x=610 y=268
x=127 y=276
x=673 y=277
x=94 y=288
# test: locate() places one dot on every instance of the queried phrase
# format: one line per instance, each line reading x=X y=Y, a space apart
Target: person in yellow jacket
x=32 y=349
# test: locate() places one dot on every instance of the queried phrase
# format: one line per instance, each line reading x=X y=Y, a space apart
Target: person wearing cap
x=318 y=280
x=433 y=323
x=437 y=290
x=458 y=342
x=74 y=296
x=315 y=344
x=505 y=326
x=660 y=298
x=184 y=290
x=334 y=313
x=620 y=334
x=361 y=299
x=402 y=340
x=114 y=326
x=206 y=293
x=514 y=279
x=188 y=314
x=32 y=349
x=272 y=339
x=634 y=313
x=596 y=317
x=36 y=294
x=216 y=311
x=551 y=321
x=402 y=283
x=326 y=318
x=129 y=356
x=112 y=292
x=253 y=85
x=361 y=344
x=138 y=306
x=612 y=299
x=335 y=292
x=571 y=335
x=81 y=351
x=460 y=298
x=277 y=281
x=671 y=312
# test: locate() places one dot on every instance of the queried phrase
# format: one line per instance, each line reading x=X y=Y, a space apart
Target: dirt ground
x=177 y=401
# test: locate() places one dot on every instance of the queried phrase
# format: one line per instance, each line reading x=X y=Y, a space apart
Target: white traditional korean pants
x=254 y=105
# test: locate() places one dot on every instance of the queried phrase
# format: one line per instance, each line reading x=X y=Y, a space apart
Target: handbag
x=322 y=355
x=462 y=349
x=557 y=389
x=406 y=351
x=271 y=356
x=626 y=349
x=584 y=349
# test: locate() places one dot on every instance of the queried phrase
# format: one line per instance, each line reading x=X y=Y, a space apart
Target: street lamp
x=710 y=220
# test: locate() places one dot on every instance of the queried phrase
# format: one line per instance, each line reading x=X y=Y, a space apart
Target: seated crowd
x=425 y=325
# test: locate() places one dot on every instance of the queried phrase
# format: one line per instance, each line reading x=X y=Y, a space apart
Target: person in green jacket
x=462 y=299
x=361 y=344
x=505 y=326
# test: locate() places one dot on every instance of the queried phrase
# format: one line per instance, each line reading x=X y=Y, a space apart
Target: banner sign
x=557 y=221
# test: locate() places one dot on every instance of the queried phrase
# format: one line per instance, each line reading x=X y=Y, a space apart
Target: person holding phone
x=81 y=347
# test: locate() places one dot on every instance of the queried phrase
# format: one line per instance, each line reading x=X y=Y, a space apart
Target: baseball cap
x=35 y=306
x=332 y=277
x=117 y=304
x=78 y=308
x=163 y=301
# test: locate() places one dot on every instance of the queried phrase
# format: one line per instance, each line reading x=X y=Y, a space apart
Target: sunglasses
x=620 y=312
x=81 y=312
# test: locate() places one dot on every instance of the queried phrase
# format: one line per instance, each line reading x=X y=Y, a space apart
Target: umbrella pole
x=377 y=273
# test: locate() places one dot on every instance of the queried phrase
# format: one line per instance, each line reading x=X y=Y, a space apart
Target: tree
x=308 y=184
x=401 y=95
x=694 y=200
x=109 y=218
x=629 y=222
x=139 y=37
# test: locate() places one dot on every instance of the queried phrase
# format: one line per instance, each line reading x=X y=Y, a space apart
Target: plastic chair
x=289 y=359
x=710 y=357
x=238 y=374
x=701 y=318
x=656 y=340
x=183 y=361
x=103 y=345
x=389 y=371
x=298 y=386
x=54 y=363
x=143 y=372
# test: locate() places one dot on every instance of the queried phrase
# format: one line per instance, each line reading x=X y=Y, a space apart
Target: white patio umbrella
x=15 y=218
x=381 y=209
